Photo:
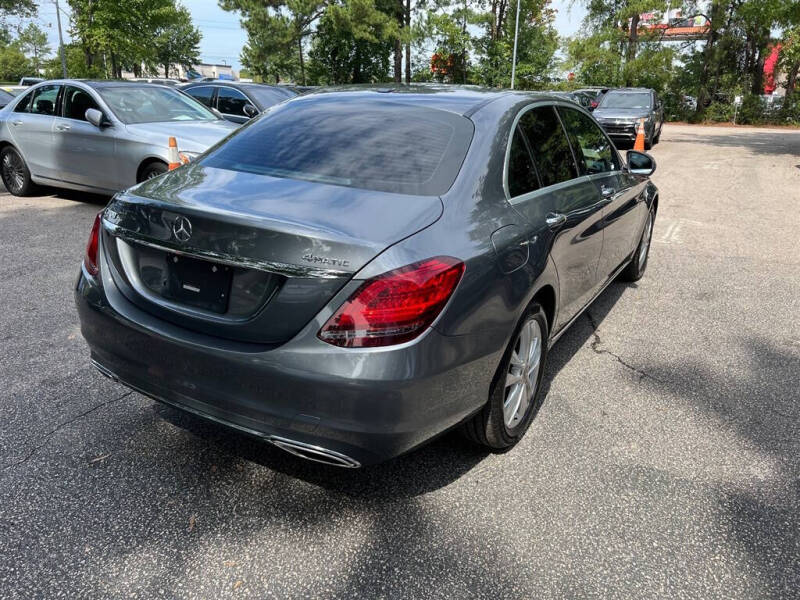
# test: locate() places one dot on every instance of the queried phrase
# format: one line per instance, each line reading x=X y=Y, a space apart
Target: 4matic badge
x=324 y=260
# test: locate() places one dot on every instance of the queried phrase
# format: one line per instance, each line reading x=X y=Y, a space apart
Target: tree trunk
x=633 y=39
x=408 y=41
x=114 y=66
x=302 y=63
x=166 y=70
x=708 y=55
x=398 y=61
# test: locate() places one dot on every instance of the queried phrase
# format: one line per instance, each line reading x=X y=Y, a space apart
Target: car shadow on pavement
x=420 y=471
x=425 y=469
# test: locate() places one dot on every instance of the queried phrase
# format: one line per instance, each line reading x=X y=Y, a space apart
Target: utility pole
x=514 y=58
x=61 y=42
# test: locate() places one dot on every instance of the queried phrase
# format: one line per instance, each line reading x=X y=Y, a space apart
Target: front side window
x=77 y=102
x=594 y=152
x=521 y=172
x=352 y=141
x=150 y=104
x=549 y=145
x=231 y=102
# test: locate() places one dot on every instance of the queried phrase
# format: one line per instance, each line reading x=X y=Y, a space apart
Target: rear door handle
x=16 y=123
x=555 y=220
x=63 y=127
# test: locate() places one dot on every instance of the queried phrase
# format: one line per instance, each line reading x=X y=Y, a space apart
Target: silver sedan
x=99 y=136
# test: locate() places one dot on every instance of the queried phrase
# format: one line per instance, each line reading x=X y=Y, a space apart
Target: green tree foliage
x=276 y=31
x=536 y=45
x=14 y=65
x=76 y=65
x=613 y=50
x=123 y=33
x=352 y=44
x=33 y=42
x=176 y=41
x=351 y=40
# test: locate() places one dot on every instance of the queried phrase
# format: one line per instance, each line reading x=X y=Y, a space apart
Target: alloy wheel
x=523 y=373
x=645 y=244
x=13 y=173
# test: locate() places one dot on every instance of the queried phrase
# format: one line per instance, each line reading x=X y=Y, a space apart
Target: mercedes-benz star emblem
x=182 y=229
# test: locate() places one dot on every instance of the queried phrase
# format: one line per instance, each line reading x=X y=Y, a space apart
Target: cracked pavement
x=664 y=463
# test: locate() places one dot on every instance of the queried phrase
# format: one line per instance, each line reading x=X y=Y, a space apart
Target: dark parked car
x=593 y=95
x=238 y=102
x=348 y=299
x=620 y=110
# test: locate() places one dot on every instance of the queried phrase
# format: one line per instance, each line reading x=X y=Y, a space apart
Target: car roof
x=102 y=83
x=630 y=89
x=461 y=100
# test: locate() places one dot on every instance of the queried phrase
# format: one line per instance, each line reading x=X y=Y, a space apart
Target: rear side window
x=231 y=102
x=41 y=101
x=594 y=152
x=24 y=103
x=521 y=172
x=44 y=100
x=203 y=94
x=358 y=142
x=549 y=145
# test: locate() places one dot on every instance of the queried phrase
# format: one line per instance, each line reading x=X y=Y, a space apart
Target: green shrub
x=719 y=112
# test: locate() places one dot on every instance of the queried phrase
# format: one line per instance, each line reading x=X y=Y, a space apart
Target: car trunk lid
x=246 y=256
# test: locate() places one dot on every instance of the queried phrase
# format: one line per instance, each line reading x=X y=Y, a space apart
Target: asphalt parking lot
x=665 y=461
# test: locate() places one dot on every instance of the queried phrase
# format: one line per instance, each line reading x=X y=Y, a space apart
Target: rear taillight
x=90 y=259
x=394 y=307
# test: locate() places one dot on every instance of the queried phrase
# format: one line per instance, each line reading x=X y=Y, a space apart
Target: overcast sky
x=223 y=37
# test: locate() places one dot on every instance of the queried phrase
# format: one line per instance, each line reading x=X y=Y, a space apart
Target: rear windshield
x=359 y=142
x=626 y=100
x=269 y=96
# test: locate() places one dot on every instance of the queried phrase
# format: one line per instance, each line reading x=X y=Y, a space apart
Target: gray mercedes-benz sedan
x=355 y=272
x=99 y=136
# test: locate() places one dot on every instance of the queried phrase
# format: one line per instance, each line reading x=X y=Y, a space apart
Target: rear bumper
x=367 y=405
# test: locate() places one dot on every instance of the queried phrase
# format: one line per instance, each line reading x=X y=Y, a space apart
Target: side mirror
x=96 y=118
x=250 y=110
x=640 y=163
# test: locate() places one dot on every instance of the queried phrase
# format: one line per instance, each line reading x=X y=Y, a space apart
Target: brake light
x=394 y=307
x=90 y=259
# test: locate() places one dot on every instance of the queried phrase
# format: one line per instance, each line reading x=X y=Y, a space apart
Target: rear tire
x=154 y=169
x=636 y=268
x=15 y=174
x=514 y=397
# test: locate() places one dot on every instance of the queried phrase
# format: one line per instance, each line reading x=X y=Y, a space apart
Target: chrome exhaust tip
x=315 y=453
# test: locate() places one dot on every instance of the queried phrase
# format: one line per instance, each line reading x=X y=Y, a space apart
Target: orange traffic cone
x=174 y=159
x=639 y=145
